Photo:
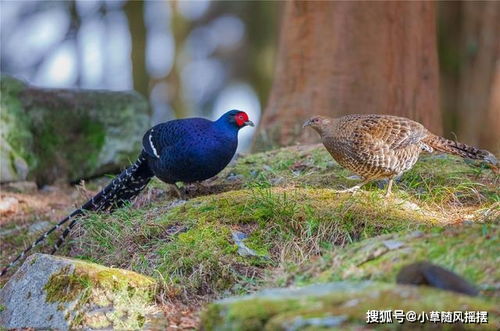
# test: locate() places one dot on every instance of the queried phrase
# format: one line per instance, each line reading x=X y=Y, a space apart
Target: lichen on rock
x=335 y=306
x=61 y=293
x=67 y=134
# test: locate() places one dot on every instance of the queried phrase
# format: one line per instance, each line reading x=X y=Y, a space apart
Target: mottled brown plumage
x=384 y=146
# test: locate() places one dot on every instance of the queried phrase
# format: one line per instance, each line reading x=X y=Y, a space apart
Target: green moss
x=14 y=121
x=128 y=294
x=198 y=259
x=466 y=250
x=278 y=310
x=284 y=201
x=282 y=223
x=53 y=149
x=70 y=134
x=66 y=286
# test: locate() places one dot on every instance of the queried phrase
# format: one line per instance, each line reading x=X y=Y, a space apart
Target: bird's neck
x=226 y=127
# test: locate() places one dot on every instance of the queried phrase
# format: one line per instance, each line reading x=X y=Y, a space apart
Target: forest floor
x=299 y=231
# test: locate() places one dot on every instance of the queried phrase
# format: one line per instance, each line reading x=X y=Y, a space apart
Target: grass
x=471 y=251
x=190 y=249
x=283 y=201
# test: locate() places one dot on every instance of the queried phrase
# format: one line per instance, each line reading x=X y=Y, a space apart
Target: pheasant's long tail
x=453 y=147
x=121 y=189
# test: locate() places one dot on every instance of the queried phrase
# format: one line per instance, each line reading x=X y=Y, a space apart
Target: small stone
x=234 y=178
x=392 y=244
x=48 y=188
x=38 y=227
x=331 y=164
x=8 y=205
x=301 y=323
x=415 y=234
x=277 y=180
x=243 y=250
x=21 y=187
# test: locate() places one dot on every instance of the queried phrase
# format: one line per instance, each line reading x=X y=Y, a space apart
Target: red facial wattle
x=241 y=119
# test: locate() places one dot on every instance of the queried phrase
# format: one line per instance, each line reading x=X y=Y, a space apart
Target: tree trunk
x=339 y=58
x=135 y=15
x=490 y=136
x=479 y=86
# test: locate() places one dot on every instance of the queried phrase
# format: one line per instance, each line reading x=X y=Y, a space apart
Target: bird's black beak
x=306 y=124
x=249 y=123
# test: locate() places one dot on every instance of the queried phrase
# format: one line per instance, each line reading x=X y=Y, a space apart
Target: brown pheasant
x=384 y=146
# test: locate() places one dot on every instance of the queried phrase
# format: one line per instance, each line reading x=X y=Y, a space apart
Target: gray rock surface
x=20 y=187
x=51 y=292
x=332 y=306
x=243 y=250
x=67 y=134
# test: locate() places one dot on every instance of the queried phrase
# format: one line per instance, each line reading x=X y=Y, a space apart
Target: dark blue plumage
x=192 y=149
x=185 y=150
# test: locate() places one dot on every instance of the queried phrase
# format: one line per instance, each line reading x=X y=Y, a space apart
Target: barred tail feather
x=121 y=189
x=453 y=147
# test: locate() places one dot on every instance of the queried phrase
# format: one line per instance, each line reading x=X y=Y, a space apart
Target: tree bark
x=490 y=136
x=135 y=15
x=479 y=86
x=339 y=58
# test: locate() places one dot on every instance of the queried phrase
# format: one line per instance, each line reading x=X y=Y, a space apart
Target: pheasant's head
x=235 y=119
x=318 y=123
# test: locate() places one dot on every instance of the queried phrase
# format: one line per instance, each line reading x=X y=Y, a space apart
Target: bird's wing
x=389 y=132
x=150 y=143
x=161 y=136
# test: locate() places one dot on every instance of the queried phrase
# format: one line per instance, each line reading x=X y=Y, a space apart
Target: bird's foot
x=177 y=191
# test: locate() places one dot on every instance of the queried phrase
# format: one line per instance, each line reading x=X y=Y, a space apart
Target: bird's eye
x=241 y=117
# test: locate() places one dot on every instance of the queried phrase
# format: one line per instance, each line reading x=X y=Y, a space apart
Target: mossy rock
x=60 y=293
x=469 y=250
x=339 y=306
x=67 y=134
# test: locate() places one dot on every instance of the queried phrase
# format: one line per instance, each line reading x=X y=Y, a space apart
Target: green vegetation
x=338 y=306
x=54 y=134
x=469 y=250
x=292 y=217
x=129 y=294
x=444 y=210
x=290 y=225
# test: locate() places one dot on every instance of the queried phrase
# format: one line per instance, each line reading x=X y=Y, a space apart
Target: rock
x=339 y=305
x=392 y=244
x=277 y=181
x=12 y=166
x=68 y=134
x=8 y=205
x=234 y=178
x=39 y=227
x=21 y=187
x=243 y=250
x=51 y=292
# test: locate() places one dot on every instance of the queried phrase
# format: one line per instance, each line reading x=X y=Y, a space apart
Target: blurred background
x=201 y=58
x=189 y=58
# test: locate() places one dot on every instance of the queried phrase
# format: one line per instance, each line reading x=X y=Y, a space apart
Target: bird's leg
x=177 y=191
x=195 y=187
x=353 y=189
x=389 y=187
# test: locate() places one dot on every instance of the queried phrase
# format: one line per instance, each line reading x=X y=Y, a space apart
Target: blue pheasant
x=184 y=150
